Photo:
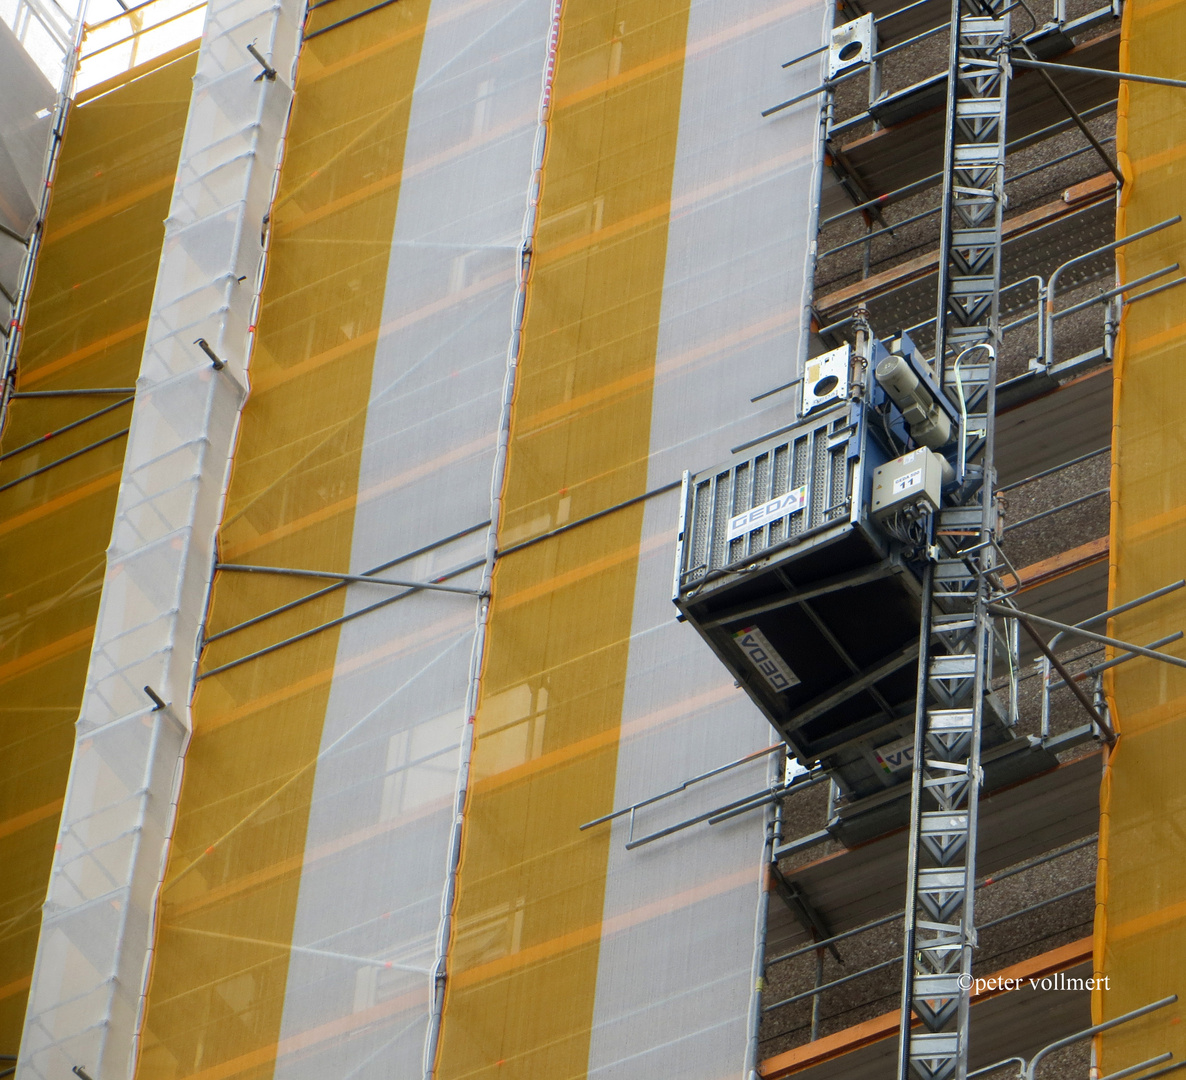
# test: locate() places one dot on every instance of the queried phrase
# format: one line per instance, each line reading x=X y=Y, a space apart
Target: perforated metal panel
x=817 y=457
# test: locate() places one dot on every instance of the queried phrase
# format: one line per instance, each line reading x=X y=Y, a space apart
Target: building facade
x=357 y=354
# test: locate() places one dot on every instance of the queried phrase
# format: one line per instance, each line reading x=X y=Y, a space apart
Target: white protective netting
x=94 y=950
x=28 y=100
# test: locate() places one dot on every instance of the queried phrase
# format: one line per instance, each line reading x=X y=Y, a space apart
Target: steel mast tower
x=957 y=639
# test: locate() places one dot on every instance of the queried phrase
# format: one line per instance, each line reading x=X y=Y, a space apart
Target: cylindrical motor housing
x=929 y=425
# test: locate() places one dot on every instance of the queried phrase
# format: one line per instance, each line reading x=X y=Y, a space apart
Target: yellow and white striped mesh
x=229 y=899
x=84 y=330
x=528 y=261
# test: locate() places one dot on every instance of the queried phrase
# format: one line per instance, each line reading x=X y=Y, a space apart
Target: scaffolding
x=970 y=588
x=1046 y=366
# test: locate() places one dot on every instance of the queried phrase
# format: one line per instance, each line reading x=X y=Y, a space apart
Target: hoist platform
x=814 y=605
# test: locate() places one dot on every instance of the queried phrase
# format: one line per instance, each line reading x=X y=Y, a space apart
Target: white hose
x=959 y=389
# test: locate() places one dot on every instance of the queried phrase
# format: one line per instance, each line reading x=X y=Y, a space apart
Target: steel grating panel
x=1017 y=823
x=814 y=459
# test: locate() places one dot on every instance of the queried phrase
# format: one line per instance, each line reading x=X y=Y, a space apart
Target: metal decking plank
x=1018 y=1021
x=912 y=149
x=1017 y=823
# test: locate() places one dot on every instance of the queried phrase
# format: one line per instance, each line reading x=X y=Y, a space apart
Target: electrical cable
x=959 y=388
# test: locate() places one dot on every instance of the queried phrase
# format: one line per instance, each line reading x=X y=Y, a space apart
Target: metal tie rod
x=808 y=55
x=349 y=19
x=881 y=232
x=1066 y=103
x=1030 y=908
x=42 y=439
x=338 y=584
x=1028 y=1068
x=1056 y=509
x=1055 y=468
x=1103 y=250
x=339 y=621
x=1025 y=616
x=1086 y=1033
x=680 y=826
x=832 y=985
x=999 y=1065
x=588 y=518
x=900 y=11
x=1120 y=609
x=1057 y=161
x=1160 y=1072
x=1095 y=669
x=748 y=802
x=877 y=22
x=684 y=786
x=363 y=578
x=889 y=50
x=1153 y=292
x=1104 y=73
x=1134 y=284
x=62 y=460
x=74 y=393
x=824 y=86
x=1141 y=1066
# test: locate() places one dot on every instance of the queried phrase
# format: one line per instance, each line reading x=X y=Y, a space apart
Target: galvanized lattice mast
x=957 y=637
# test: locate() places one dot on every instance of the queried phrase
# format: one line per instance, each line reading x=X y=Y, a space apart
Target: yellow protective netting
x=84 y=330
x=1141 y=895
x=523 y=959
x=230 y=895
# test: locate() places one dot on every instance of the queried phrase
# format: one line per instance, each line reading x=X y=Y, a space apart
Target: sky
x=115 y=40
